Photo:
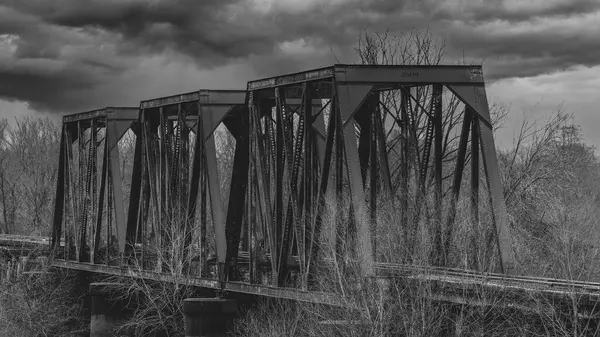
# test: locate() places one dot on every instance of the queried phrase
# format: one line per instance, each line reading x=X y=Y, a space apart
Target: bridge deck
x=453 y=282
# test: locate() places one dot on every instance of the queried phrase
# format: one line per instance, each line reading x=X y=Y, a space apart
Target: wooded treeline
x=550 y=179
x=28 y=169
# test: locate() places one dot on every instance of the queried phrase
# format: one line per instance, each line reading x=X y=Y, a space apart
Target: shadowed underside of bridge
x=152 y=190
x=458 y=286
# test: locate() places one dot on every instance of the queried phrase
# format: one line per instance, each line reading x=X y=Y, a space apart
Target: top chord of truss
x=383 y=74
x=211 y=97
x=114 y=113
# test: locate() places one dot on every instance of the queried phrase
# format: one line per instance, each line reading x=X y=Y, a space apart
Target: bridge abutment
x=105 y=312
x=208 y=317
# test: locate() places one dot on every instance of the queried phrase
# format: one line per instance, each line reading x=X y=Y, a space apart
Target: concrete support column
x=20 y=266
x=104 y=313
x=208 y=317
x=9 y=267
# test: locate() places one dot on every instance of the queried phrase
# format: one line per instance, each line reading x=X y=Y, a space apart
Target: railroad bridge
x=234 y=190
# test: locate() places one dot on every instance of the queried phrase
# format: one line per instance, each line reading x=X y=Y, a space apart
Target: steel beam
x=474 y=191
x=112 y=137
x=100 y=208
x=81 y=201
x=380 y=74
x=178 y=184
x=458 y=171
x=59 y=200
x=350 y=97
x=135 y=190
x=439 y=256
x=238 y=126
x=210 y=117
x=475 y=97
x=282 y=165
x=412 y=75
x=217 y=97
x=125 y=113
x=236 y=287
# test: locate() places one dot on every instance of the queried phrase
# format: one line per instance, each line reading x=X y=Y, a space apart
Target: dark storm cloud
x=65 y=46
x=513 y=10
x=49 y=66
x=210 y=29
x=530 y=48
x=216 y=31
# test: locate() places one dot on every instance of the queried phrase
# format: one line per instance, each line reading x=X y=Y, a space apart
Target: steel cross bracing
x=337 y=150
x=89 y=185
x=183 y=205
x=177 y=181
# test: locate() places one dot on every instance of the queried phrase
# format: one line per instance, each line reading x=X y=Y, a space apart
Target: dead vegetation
x=43 y=302
x=550 y=182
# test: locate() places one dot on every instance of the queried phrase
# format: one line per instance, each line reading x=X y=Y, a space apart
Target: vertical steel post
x=383 y=155
x=59 y=199
x=438 y=138
x=350 y=98
x=196 y=182
x=162 y=208
x=112 y=136
x=458 y=171
x=238 y=189
x=364 y=120
x=307 y=170
x=146 y=194
x=262 y=188
x=253 y=265
x=474 y=250
x=100 y=208
x=322 y=192
x=203 y=196
x=109 y=207
x=293 y=156
x=80 y=191
x=70 y=193
x=134 y=195
x=94 y=190
x=149 y=143
x=373 y=169
x=212 y=179
x=339 y=174
x=282 y=231
x=409 y=233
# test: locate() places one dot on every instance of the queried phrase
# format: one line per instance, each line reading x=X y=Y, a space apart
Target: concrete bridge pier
x=208 y=317
x=105 y=312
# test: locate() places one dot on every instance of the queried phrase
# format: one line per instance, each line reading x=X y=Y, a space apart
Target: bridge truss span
x=333 y=148
x=90 y=187
x=180 y=177
x=299 y=174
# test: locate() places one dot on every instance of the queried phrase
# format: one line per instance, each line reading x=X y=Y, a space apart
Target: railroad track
x=458 y=278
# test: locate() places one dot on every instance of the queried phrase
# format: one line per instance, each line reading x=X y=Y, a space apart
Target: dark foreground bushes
x=44 y=303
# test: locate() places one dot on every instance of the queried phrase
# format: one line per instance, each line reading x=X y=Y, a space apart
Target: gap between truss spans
x=307 y=149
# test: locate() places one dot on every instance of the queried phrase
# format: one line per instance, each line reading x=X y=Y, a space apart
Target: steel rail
x=454 y=276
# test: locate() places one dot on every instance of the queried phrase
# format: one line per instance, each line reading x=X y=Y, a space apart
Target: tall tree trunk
x=4 y=211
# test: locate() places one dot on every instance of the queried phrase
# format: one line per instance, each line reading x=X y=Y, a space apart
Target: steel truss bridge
x=229 y=190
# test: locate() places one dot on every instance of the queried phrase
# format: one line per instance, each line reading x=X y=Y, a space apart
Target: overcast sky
x=64 y=56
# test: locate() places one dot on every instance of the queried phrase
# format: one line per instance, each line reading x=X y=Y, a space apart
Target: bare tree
x=45 y=302
x=33 y=147
x=9 y=179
